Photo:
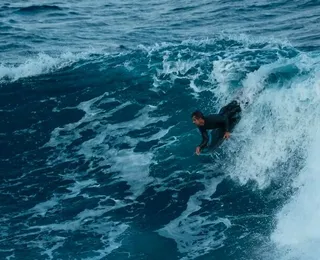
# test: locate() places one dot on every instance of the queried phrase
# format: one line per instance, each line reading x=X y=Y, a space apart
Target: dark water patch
x=39 y=8
x=308 y=4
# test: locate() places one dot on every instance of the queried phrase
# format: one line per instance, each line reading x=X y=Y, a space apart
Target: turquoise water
x=97 y=158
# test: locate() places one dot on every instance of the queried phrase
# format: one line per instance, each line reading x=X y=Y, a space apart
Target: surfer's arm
x=205 y=139
x=222 y=122
x=226 y=123
x=224 y=119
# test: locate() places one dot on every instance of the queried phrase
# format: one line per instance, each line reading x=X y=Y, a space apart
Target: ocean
x=97 y=144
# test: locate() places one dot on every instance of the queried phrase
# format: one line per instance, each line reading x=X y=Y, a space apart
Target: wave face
x=97 y=155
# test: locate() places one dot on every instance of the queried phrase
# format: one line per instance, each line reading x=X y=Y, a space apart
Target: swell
x=117 y=125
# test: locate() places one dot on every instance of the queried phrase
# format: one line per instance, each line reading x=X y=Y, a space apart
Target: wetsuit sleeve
x=227 y=123
x=205 y=138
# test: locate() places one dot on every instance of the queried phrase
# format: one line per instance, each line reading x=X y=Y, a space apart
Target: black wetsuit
x=224 y=121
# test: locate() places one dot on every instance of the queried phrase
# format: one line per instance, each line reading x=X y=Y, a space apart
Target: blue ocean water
x=97 y=145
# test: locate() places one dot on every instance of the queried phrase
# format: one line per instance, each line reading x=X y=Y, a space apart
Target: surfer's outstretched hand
x=198 y=150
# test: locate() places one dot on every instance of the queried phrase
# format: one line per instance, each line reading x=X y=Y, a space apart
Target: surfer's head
x=197 y=118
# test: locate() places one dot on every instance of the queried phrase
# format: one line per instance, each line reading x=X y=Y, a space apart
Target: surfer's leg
x=230 y=109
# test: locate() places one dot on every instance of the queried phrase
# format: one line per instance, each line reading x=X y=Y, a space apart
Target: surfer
x=222 y=121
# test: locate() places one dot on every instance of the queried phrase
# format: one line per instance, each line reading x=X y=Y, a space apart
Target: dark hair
x=197 y=114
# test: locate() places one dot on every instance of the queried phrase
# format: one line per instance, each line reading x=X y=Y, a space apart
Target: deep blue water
x=97 y=145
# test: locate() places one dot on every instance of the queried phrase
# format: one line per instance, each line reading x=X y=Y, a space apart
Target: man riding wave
x=224 y=120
